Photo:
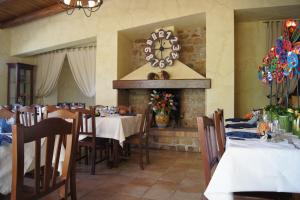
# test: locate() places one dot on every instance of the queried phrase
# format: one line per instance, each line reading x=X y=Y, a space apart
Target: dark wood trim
x=51 y=10
x=18 y=67
x=164 y=84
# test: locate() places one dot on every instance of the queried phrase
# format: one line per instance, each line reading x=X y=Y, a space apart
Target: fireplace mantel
x=163 y=84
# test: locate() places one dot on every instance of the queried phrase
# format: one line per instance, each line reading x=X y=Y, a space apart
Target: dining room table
x=256 y=165
x=116 y=128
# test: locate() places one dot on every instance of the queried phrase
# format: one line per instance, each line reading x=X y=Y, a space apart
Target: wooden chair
x=141 y=139
x=220 y=130
x=91 y=142
x=51 y=129
x=208 y=146
x=27 y=116
x=6 y=114
x=65 y=114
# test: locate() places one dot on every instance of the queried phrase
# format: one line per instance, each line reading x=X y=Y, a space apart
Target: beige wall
x=124 y=55
x=67 y=89
x=250 y=48
x=6 y=58
x=115 y=15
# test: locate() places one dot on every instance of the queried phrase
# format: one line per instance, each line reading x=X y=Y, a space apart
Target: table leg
x=116 y=156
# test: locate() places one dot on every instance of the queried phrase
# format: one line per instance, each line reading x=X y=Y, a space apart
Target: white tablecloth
x=254 y=165
x=6 y=164
x=118 y=127
x=29 y=158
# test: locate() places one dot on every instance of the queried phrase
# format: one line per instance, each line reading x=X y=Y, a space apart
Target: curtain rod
x=69 y=48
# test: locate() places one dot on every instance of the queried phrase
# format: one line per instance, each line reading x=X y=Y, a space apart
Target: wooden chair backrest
x=27 y=116
x=208 y=145
x=145 y=123
x=51 y=109
x=52 y=130
x=8 y=107
x=87 y=127
x=6 y=114
x=220 y=131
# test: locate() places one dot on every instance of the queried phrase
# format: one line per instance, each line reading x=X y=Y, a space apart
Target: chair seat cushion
x=135 y=139
x=100 y=142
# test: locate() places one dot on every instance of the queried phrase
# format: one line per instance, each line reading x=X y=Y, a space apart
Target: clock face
x=162 y=49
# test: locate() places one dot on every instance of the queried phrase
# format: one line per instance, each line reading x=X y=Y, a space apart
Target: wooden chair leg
x=129 y=150
x=141 y=156
x=86 y=152
x=73 y=183
x=93 y=159
x=147 y=153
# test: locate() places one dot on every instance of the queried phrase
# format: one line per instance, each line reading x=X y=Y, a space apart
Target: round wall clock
x=162 y=49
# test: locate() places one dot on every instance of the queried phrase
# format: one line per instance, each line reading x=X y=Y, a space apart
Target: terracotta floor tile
x=122 y=197
x=176 y=177
x=143 y=181
x=134 y=190
x=179 y=195
x=161 y=191
x=170 y=175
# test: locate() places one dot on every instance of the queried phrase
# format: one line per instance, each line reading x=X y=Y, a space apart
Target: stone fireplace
x=181 y=135
x=187 y=82
x=190 y=103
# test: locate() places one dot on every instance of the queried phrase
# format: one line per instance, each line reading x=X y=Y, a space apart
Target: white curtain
x=82 y=62
x=274 y=30
x=49 y=66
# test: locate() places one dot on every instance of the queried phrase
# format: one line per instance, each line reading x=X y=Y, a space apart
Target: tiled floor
x=171 y=175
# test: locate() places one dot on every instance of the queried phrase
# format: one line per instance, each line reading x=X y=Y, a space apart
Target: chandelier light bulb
x=67 y=2
x=79 y=3
x=91 y=3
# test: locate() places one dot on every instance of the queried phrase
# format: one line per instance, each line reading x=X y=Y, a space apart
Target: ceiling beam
x=51 y=10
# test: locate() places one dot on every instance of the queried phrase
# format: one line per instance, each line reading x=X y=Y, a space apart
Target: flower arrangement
x=162 y=102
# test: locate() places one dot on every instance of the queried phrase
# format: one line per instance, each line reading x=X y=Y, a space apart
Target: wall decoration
x=162 y=75
x=162 y=49
x=152 y=76
x=281 y=64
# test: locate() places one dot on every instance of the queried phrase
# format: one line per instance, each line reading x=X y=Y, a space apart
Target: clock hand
x=161 y=55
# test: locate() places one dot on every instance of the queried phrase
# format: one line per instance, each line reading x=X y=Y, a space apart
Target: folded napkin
x=236 y=120
x=4 y=139
x=4 y=126
x=241 y=125
x=242 y=134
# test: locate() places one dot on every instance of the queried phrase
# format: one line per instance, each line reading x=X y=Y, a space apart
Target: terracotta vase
x=162 y=119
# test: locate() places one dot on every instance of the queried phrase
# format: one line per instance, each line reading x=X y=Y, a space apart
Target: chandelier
x=88 y=6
